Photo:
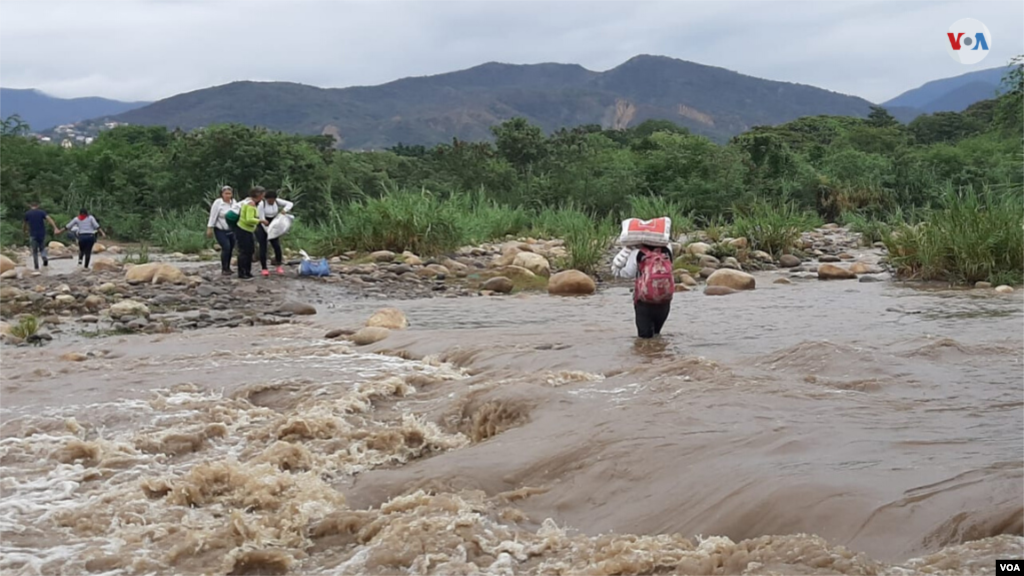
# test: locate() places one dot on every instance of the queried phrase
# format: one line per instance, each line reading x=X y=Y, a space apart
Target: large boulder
x=369 y=335
x=104 y=264
x=129 y=308
x=297 y=308
x=1004 y=289
x=533 y=262
x=457 y=268
x=833 y=272
x=571 y=283
x=734 y=279
x=382 y=256
x=6 y=264
x=94 y=302
x=517 y=273
x=98 y=248
x=391 y=318
x=155 y=273
x=863 y=268
x=718 y=291
x=698 y=248
x=499 y=284
x=789 y=261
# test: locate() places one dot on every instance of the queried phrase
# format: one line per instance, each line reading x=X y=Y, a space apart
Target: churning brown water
x=821 y=428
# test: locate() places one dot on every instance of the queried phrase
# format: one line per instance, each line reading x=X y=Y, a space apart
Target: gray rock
x=789 y=261
x=137 y=324
x=867 y=278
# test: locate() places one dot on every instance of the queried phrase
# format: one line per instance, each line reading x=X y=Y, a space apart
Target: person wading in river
x=86 y=227
x=268 y=209
x=34 y=227
x=651 y=267
x=248 y=220
x=219 y=227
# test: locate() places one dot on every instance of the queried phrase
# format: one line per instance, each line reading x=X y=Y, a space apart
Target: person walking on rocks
x=34 y=227
x=248 y=220
x=651 y=267
x=219 y=227
x=268 y=209
x=86 y=227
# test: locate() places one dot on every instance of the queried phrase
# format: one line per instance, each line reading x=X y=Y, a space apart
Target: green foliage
x=399 y=220
x=181 y=230
x=648 y=207
x=150 y=185
x=772 y=227
x=138 y=255
x=26 y=326
x=973 y=236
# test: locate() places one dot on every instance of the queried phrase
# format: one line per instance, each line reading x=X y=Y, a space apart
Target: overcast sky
x=152 y=49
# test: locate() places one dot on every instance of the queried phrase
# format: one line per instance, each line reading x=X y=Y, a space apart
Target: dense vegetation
x=958 y=173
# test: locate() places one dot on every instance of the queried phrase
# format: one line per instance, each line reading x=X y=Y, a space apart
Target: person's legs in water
x=261 y=238
x=226 y=240
x=650 y=318
x=246 y=247
x=85 y=244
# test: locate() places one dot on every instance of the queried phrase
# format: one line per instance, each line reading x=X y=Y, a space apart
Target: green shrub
x=182 y=230
x=398 y=220
x=772 y=227
x=27 y=326
x=971 y=237
x=648 y=207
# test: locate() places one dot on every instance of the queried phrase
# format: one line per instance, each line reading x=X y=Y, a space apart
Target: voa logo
x=968 y=41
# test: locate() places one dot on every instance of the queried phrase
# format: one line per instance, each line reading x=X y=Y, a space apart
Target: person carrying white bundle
x=650 y=264
x=271 y=207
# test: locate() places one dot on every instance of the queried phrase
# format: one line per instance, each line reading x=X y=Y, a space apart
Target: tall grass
x=772 y=227
x=587 y=237
x=648 y=207
x=181 y=230
x=971 y=236
x=482 y=219
x=398 y=220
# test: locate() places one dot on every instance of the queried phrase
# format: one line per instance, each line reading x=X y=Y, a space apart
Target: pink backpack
x=655 y=284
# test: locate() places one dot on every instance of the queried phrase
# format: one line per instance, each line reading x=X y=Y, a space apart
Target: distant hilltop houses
x=70 y=135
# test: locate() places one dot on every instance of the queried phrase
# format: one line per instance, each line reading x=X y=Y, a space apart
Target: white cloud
x=151 y=49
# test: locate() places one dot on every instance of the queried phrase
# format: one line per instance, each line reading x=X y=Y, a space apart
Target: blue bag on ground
x=311 y=268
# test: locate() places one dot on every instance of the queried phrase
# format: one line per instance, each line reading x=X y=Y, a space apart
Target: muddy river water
x=815 y=428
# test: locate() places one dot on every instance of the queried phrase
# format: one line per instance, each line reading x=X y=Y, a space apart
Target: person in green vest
x=248 y=220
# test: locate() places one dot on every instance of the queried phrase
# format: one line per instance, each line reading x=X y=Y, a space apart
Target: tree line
x=828 y=165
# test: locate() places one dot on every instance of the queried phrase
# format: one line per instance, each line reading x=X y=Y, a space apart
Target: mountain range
x=951 y=94
x=41 y=111
x=712 y=101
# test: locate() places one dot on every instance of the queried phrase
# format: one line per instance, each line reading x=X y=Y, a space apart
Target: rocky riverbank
x=188 y=293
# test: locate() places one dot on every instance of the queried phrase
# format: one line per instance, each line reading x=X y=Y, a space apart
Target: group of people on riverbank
x=83 y=229
x=244 y=224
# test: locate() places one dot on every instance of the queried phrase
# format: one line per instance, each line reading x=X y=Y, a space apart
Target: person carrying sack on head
x=650 y=266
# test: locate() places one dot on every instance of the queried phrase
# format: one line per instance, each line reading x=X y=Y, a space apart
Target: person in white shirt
x=268 y=209
x=218 y=226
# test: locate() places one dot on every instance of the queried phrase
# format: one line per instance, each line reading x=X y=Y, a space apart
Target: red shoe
x=265 y=272
x=280 y=270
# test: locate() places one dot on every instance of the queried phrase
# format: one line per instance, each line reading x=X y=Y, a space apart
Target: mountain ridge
x=43 y=111
x=708 y=100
